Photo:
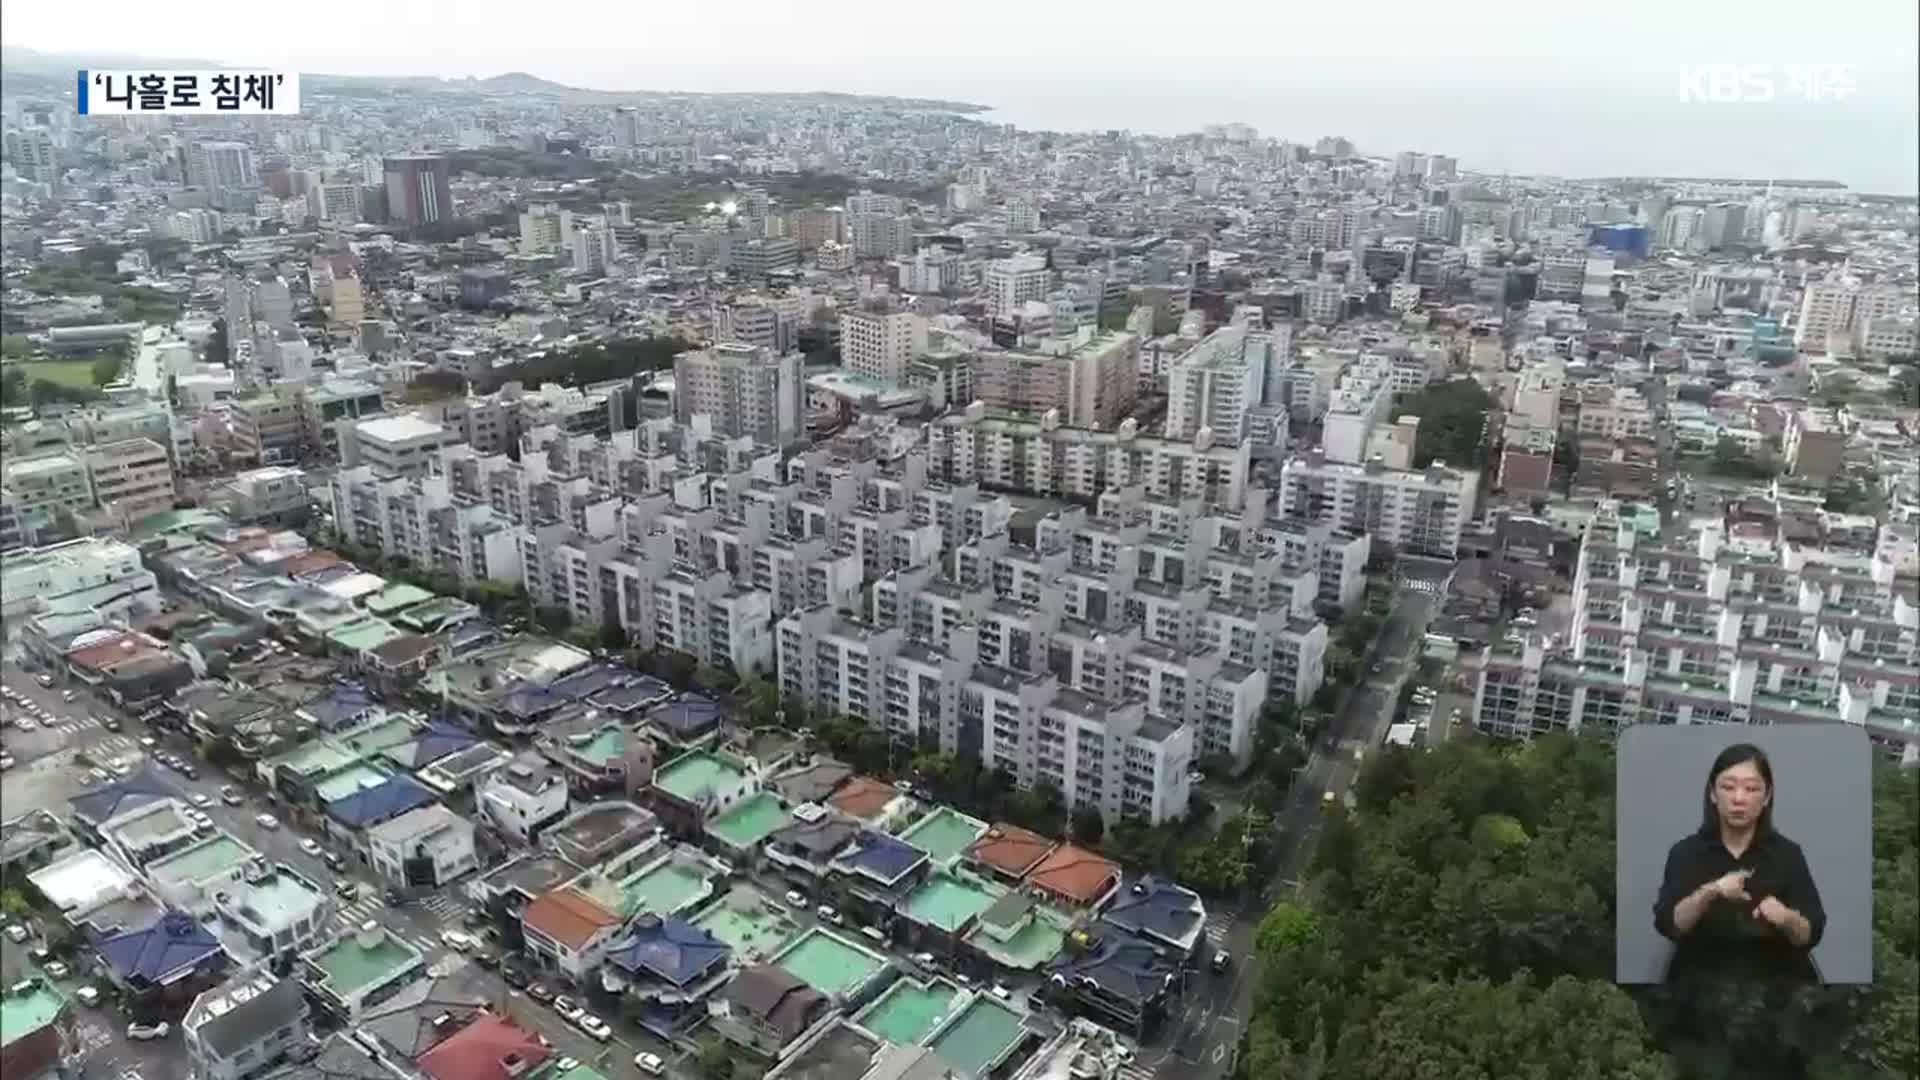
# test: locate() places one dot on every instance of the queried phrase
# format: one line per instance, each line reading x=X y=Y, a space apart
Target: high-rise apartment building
x=879 y=344
x=743 y=389
x=419 y=189
x=1012 y=282
x=544 y=227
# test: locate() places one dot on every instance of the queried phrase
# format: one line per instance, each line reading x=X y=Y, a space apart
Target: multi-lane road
x=1205 y=1033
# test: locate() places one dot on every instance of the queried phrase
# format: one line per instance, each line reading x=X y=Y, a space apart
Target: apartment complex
x=1044 y=457
x=879 y=344
x=1716 y=624
x=743 y=390
x=1422 y=511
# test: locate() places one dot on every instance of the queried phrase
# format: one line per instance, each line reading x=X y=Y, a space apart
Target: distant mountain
x=519 y=82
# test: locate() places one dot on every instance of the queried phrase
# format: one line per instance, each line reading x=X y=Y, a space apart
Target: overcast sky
x=1513 y=85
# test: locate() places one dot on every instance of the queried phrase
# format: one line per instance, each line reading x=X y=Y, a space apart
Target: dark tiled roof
x=119 y=796
x=668 y=949
x=170 y=945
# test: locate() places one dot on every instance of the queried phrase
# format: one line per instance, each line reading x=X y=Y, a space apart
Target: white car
x=828 y=914
x=149 y=1031
x=593 y=1026
x=796 y=898
x=310 y=846
x=6 y=761
x=650 y=1064
x=202 y=799
x=87 y=996
x=924 y=959
x=24 y=723
x=568 y=1011
x=266 y=821
x=55 y=969
x=457 y=941
x=1000 y=991
x=16 y=933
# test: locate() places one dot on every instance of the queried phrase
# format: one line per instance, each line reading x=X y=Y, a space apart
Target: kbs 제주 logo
x=1750 y=84
x=188 y=93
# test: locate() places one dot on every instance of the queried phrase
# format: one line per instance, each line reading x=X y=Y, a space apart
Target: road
x=1207 y=1031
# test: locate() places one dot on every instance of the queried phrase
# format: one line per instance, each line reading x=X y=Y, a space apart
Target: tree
x=1088 y=826
x=1453 y=423
x=715 y=1061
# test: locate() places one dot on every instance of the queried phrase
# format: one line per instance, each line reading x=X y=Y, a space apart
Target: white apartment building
x=880 y=344
x=130 y=478
x=397 y=445
x=744 y=390
x=1012 y=282
x=545 y=228
x=1045 y=458
x=593 y=249
x=1423 y=511
x=1360 y=401
x=47 y=484
x=1536 y=396
x=1617 y=413
x=76 y=585
x=1717 y=626
x=1108 y=755
x=1087 y=376
x=1838 y=311
x=1219 y=384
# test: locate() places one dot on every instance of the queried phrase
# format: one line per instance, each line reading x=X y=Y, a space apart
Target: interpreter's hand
x=1731 y=886
x=1773 y=912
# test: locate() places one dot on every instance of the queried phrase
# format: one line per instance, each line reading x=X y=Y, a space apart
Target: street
x=1205 y=1033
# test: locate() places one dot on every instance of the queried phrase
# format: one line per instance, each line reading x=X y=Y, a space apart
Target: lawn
x=74 y=373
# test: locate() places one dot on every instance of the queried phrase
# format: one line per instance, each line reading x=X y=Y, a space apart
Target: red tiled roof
x=568 y=916
x=1075 y=874
x=483 y=1050
x=863 y=797
x=1010 y=849
x=307 y=562
x=114 y=650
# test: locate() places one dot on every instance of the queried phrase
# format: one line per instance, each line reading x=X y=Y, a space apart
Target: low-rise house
x=671 y=968
x=163 y=966
x=245 y=1028
x=568 y=932
x=523 y=797
x=424 y=848
x=766 y=1009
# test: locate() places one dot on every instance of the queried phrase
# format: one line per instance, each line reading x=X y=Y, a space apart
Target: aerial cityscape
x=504 y=580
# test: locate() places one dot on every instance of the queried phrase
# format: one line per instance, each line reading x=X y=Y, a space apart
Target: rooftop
x=949 y=901
x=402 y=428
x=1075 y=874
x=26 y=1012
x=749 y=821
x=984 y=1033
x=568 y=916
x=829 y=963
x=215 y=855
x=752 y=924
x=944 y=834
x=355 y=963
x=1010 y=849
x=909 y=1011
x=698 y=774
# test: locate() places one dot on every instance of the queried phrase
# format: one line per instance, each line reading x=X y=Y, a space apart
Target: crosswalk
x=446 y=908
x=1421 y=585
x=352 y=916
x=113 y=746
x=1136 y=1071
x=1218 y=924
x=76 y=725
x=94 y=1036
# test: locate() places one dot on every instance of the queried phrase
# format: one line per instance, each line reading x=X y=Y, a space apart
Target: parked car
x=6 y=761
x=231 y=795
x=828 y=914
x=141 y=1031
x=43 y=679
x=650 y=1064
x=88 y=996
x=924 y=959
x=148 y=742
x=796 y=898
x=513 y=975
x=16 y=933
x=266 y=821
x=540 y=992
x=455 y=940
x=187 y=770
x=311 y=846
x=593 y=1026
x=335 y=862
x=40 y=954
x=485 y=959
x=1000 y=991
x=55 y=969
x=202 y=799
x=568 y=1010
x=24 y=723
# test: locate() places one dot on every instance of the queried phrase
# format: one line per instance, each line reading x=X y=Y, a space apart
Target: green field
x=74 y=373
